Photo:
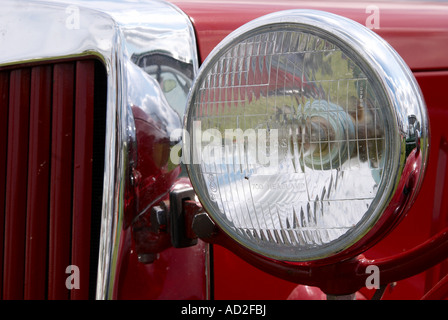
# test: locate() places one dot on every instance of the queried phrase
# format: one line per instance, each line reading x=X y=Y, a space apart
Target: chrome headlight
x=298 y=131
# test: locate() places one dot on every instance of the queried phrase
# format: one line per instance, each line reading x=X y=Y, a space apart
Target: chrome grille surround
x=115 y=32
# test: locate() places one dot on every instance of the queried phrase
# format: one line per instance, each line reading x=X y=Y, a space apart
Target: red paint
x=411 y=262
x=235 y=279
x=347 y=276
x=177 y=274
x=174 y=274
x=438 y=291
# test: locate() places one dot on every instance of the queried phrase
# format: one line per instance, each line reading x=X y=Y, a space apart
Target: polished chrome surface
x=257 y=70
x=120 y=34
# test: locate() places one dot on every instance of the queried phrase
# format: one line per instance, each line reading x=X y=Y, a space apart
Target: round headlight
x=298 y=130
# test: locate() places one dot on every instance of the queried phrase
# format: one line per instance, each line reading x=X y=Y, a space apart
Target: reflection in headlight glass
x=293 y=141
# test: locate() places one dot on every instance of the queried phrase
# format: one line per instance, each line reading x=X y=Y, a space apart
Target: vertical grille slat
x=4 y=102
x=83 y=161
x=16 y=184
x=38 y=182
x=61 y=179
x=51 y=164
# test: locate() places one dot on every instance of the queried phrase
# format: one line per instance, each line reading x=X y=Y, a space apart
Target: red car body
x=419 y=33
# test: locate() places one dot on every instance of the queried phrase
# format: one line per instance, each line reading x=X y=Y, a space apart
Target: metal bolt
x=158 y=219
x=203 y=226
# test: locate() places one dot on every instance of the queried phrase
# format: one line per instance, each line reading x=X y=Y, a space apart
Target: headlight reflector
x=297 y=125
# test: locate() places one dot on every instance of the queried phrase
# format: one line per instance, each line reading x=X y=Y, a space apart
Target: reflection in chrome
x=174 y=77
x=113 y=31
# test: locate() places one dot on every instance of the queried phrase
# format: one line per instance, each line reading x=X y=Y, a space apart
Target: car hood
x=417 y=30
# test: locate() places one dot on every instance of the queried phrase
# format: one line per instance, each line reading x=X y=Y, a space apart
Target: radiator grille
x=52 y=119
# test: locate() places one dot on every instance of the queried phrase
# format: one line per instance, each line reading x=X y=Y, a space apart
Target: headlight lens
x=295 y=135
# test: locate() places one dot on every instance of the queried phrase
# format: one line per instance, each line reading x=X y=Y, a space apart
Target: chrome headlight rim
x=372 y=53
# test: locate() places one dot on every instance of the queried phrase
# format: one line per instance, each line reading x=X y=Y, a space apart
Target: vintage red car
x=223 y=150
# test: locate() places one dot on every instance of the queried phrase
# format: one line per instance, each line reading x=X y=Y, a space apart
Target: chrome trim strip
x=114 y=31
